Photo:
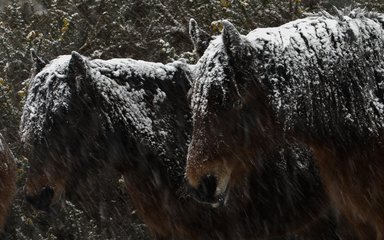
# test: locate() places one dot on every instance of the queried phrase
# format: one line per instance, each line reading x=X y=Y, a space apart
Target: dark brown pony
x=316 y=80
x=83 y=114
x=7 y=181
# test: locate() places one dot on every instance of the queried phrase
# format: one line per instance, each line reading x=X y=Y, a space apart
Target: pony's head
x=81 y=115
x=231 y=120
x=58 y=125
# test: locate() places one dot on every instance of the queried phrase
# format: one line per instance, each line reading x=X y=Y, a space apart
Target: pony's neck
x=142 y=104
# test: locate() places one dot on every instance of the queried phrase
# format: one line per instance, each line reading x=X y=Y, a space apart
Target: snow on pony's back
x=300 y=63
x=313 y=59
x=127 y=94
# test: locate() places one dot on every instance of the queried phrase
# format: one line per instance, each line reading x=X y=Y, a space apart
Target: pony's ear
x=200 y=38
x=77 y=71
x=39 y=62
x=234 y=43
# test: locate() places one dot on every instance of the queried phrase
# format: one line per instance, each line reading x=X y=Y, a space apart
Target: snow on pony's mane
x=128 y=102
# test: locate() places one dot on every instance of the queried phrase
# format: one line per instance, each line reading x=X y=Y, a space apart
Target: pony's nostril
x=46 y=194
x=30 y=199
x=45 y=198
x=42 y=200
x=207 y=188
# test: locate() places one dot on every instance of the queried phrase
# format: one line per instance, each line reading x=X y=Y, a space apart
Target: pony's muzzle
x=207 y=192
x=43 y=199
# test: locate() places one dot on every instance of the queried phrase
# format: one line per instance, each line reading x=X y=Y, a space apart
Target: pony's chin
x=221 y=200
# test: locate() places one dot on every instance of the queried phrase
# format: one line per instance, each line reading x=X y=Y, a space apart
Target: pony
x=134 y=116
x=7 y=181
x=82 y=114
x=316 y=81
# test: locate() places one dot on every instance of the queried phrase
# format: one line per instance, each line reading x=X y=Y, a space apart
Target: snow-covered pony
x=82 y=114
x=317 y=80
x=7 y=181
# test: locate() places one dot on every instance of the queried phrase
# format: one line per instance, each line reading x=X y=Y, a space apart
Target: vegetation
x=153 y=30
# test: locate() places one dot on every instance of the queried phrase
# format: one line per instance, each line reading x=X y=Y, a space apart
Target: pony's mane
x=146 y=99
x=123 y=85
